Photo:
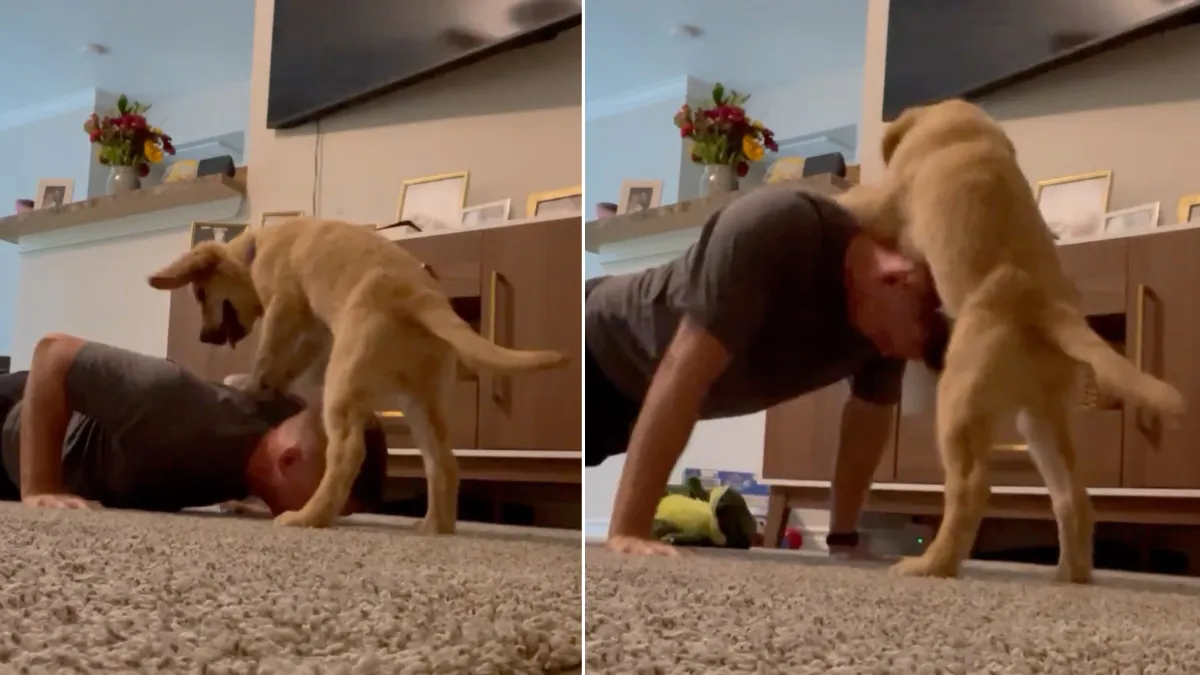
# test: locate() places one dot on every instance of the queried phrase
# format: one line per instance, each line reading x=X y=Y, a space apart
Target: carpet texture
x=112 y=592
x=723 y=614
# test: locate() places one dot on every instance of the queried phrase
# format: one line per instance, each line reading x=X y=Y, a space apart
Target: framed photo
x=53 y=192
x=1136 y=219
x=486 y=214
x=1074 y=206
x=639 y=195
x=440 y=199
x=219 y=232
x=562 y=203
x=1189 y=210
x=276 y=217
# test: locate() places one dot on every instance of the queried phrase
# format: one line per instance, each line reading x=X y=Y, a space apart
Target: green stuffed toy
x=718 y=518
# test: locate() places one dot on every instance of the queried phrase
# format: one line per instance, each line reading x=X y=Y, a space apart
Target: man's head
x=288 y=464
x=220 y=279
x=892 y=301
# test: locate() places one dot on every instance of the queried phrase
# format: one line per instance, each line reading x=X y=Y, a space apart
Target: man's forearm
x=865 y=432
x=668 y=416
x=45 y=413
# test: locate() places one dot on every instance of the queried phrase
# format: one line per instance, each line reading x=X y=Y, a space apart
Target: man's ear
x=289 y=457
x=896 y=132
x=197 y=263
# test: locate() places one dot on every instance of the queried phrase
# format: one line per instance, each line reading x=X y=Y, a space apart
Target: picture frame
x=1074 y=206
x=439 y=198
x=1134 y=219
x=1189 y=210
x=267 y=217
x=561 y=203
x=53 y=192
x=639 y=195
x=482 y=215
x=220 y=232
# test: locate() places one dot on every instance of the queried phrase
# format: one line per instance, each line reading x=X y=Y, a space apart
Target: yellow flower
x=752 y=149
x=156 y=131
x=756 y=124
x=154 y=153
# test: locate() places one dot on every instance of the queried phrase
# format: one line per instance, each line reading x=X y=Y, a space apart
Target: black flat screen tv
x=939 y=49
x=327 y=56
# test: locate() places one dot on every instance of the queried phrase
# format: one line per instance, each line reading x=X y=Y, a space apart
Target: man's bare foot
x=639 y=546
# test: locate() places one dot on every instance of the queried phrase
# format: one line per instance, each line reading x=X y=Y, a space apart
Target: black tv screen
x=939 y=49
x=326 y=56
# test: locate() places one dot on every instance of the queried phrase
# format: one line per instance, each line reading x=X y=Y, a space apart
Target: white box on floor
x=884 y=534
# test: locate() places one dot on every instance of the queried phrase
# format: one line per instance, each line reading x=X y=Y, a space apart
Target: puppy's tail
x=476 y=352
x=1066 y=326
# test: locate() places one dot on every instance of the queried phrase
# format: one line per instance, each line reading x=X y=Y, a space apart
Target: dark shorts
x=12 y=389
x=609 y=414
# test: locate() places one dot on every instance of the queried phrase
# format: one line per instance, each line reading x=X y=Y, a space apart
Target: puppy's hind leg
x=1048 y=435
x=426 y=415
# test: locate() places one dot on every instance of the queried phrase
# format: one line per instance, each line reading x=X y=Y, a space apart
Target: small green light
x=920 y=540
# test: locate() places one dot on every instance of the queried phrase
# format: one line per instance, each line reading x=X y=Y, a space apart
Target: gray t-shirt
x=767 y=279
x=147 y=434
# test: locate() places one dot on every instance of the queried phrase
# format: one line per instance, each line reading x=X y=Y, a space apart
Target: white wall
x=810 y=106
x=512 y=121
x=96 y=289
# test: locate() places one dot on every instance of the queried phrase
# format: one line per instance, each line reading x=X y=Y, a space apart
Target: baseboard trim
x=997 y=489
x=498 y=454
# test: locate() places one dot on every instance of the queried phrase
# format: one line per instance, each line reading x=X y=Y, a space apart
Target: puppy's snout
x=213 y=336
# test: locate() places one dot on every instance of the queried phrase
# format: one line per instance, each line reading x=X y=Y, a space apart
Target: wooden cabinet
x=1163 y=306
x=802 y=437
x=533 y=294
x=454 y=260
x=1098 y=270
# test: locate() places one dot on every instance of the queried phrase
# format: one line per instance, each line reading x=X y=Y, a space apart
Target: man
x=92 y=425
x=782 y=295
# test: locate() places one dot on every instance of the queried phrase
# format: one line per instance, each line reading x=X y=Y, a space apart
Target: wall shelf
x=115 y=207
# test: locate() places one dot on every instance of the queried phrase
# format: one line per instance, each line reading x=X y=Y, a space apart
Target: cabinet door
x=454 y=259
x=1098 y=270
x=185 y=348
x=534 y=300
x=802 y=437
x=1164 y=312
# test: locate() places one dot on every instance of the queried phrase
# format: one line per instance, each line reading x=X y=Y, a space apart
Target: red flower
x=742 y=169
x=94 y=136
x=771 y=144
x=143 y=170
x=686 y=130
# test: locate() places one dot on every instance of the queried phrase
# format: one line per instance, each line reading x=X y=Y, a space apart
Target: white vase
x=717 y=179
x=122 y=179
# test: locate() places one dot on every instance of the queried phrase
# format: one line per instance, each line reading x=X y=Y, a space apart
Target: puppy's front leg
x=282 y=324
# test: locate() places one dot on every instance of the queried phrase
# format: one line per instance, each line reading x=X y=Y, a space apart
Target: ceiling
x=159 y=48
x=749 y=45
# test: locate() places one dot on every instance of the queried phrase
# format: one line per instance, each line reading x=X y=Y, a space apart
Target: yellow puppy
x=337 y=295
x=953 y=195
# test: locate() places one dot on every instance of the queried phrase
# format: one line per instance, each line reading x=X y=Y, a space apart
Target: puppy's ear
x=197 y=263
x=896 y=132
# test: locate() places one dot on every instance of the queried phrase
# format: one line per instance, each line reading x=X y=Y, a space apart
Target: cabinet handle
x=493 y=282
x=1011 y=447
x=1139 y=320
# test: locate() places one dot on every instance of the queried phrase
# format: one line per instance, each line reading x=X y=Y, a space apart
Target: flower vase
x=123 y=179
x=717 y=179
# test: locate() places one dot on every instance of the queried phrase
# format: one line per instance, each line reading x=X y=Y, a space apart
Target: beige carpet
x=111 y=592
x=774 y=614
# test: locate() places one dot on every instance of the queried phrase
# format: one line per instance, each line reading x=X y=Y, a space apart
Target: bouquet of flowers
x=125 y=139
x=721 y=133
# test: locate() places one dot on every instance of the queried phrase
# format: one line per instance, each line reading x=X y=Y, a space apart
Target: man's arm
x=45 y=414
x=867 y=422
x=669 y=413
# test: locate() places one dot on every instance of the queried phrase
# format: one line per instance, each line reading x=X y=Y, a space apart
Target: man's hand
x=637 y=546
x=60 y=501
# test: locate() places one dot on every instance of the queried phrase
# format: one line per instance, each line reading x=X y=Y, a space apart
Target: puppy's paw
x=1067 y=574
x=431 y=527
x=924 y=566
x=302 y=519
